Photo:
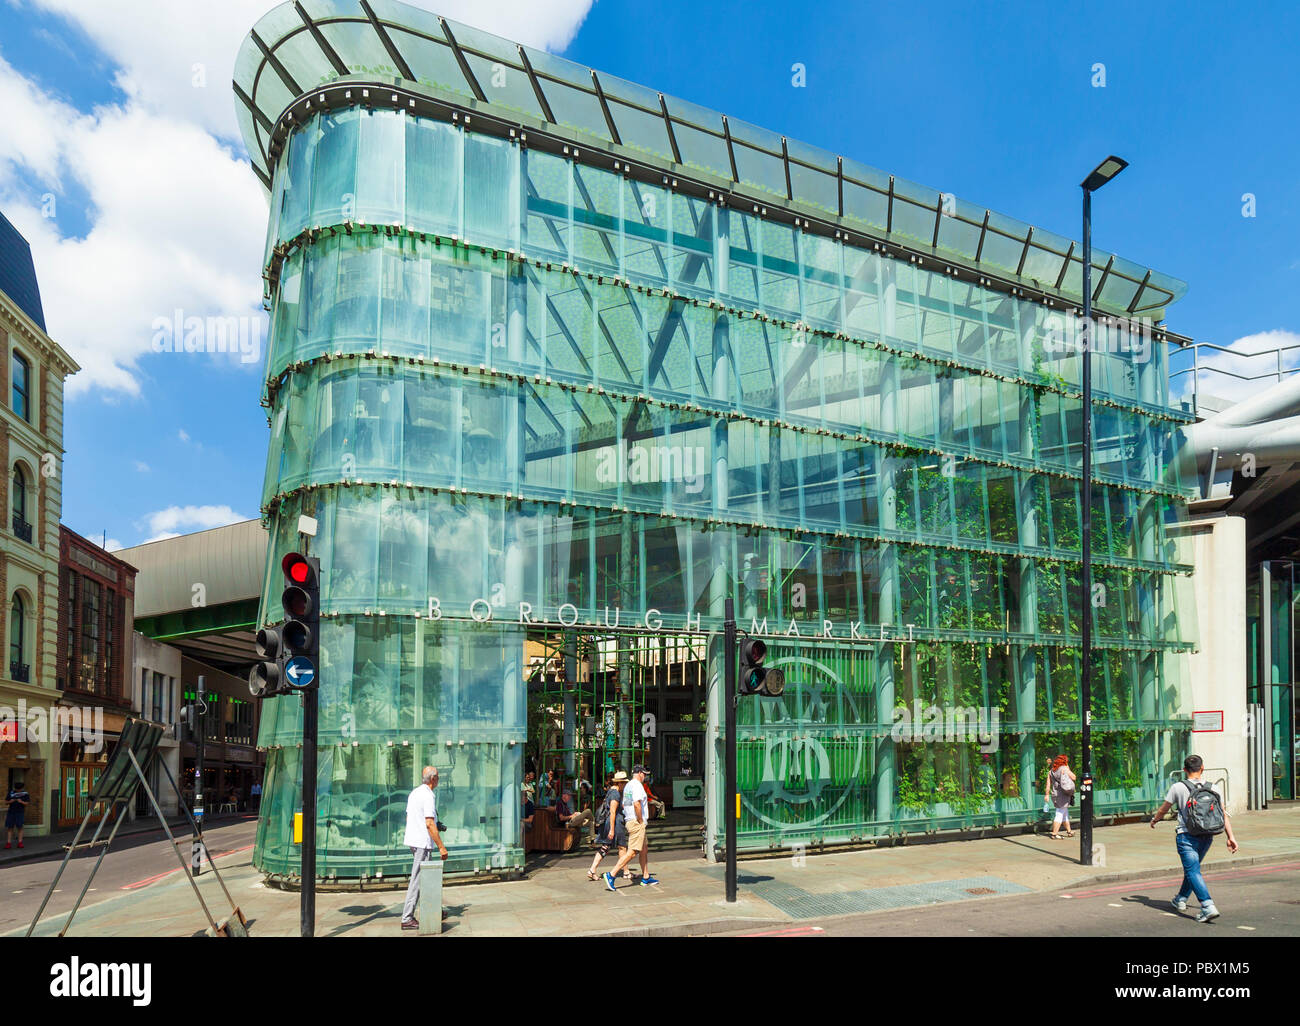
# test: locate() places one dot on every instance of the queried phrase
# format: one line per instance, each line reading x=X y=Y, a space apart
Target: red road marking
x=1231 y=874
x=798 y=931
x=154 y=879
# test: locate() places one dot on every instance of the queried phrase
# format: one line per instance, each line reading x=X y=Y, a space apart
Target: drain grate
x=800 y=904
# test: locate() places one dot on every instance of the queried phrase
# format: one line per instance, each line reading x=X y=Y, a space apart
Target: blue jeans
x=1192 y=849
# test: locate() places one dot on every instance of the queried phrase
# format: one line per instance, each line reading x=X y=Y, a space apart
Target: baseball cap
x=638 y=768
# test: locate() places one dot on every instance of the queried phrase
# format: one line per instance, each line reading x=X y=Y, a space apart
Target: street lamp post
x=1102 y=174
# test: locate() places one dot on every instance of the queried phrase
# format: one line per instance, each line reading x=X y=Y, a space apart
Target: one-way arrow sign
x=300 y=672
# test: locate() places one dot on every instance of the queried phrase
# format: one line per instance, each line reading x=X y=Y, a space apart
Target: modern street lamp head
x=1104 y=172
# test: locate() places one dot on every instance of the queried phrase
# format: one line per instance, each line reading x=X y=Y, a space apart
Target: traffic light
x=189 y=722
x=290 y=653
x=755 y=678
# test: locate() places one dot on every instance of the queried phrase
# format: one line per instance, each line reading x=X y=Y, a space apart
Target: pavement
x=556 y=899
x=41 y=847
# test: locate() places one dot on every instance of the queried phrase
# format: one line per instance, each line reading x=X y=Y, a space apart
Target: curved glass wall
x=520 y=392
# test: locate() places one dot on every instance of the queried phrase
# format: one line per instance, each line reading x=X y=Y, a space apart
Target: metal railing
x=21 y=672
x=1279 y=365
x=22 y=529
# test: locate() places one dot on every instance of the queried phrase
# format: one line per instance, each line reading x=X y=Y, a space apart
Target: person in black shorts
x=611 y=834
x=18 y=802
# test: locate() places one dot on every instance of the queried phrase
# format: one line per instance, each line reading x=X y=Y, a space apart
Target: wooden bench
x=547 y=834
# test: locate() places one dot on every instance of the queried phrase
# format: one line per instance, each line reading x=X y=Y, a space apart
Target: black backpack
x=1203 y=815
x=602 y=816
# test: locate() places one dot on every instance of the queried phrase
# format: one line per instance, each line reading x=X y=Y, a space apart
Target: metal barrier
x=1259 y=758
x=1279 y=367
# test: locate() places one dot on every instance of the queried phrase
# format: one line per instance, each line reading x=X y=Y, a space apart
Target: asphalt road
x=1256 y=901
x=133 y=862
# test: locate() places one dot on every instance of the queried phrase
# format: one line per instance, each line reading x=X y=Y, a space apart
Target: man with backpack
x=1201 y=815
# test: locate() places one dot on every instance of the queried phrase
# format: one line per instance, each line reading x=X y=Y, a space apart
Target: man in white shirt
x=636 y=811
x=421 y=837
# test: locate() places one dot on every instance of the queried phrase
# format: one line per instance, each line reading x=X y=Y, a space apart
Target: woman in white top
x=1060 y=791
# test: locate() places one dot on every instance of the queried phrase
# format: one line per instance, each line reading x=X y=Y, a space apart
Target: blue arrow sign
x=300 y=671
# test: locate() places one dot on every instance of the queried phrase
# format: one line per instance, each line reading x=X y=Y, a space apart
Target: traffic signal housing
x=189 y=721
x=755 y=678
x=289 y=654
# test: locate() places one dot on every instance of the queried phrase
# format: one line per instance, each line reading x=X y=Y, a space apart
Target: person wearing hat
x=636 y=811
x=610 y=832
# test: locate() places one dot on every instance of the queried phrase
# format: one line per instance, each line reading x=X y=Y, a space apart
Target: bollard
x=431 y=897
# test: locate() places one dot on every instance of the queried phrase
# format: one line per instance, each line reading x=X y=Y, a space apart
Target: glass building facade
x=559 y=364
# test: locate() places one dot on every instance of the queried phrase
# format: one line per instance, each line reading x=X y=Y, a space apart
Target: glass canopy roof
x=302 y=45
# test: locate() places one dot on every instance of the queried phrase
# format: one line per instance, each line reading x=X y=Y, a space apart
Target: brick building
x=94 y=660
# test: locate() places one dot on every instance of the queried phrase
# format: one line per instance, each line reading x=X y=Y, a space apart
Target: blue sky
x=156 y=209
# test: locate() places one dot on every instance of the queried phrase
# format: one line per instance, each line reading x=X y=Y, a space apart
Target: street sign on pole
x=300 y=672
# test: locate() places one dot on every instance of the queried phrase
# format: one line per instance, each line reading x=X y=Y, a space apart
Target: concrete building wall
x=154 y=657
x=1216 y=547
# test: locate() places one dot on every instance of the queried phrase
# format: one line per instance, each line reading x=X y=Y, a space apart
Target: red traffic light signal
x=297 y=568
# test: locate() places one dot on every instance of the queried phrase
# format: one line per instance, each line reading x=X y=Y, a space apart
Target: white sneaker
x=1207 y=913
x=1180 y=904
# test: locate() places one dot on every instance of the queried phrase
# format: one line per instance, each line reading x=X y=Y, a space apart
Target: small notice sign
x=1207 y=721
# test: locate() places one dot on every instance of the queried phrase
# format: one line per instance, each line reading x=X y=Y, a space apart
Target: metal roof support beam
x=463 y=63
x=321 y=41
x=668 y=124
x=394 y=54
x=542 y=101
x=1065 y=267
x=604 y=109
x=280 y=69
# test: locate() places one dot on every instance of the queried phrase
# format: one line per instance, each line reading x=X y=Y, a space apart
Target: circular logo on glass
x=801 y=736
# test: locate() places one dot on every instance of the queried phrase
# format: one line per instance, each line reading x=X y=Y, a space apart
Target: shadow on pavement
x=1045 y=851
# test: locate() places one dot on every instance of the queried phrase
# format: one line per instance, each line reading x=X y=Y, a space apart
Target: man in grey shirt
x=1192 y=848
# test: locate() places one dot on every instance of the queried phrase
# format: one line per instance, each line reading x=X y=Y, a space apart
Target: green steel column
x=625 y=668
x=719 y=581
x=1027 y=695
x=884 y=782
x=570 y=644
x=1149 y=625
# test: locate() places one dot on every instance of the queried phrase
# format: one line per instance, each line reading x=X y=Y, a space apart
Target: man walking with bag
x=1201 y=815
x=421 y=837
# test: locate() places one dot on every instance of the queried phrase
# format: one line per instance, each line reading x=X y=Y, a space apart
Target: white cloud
x=183 y=435
x=174 y=226
x=161 y=45
x=1249 y=368
x=176 y=219
x=142 y=466
x=176 y=520
x=112 y=545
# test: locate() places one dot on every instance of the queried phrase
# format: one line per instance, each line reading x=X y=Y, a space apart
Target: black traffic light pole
x=731 y=797
x=289 y=663
x=308 y=902
x=200 y=741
